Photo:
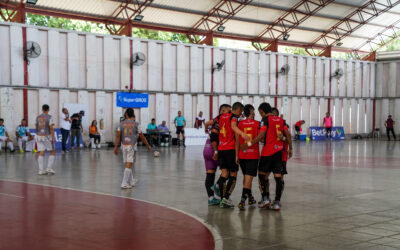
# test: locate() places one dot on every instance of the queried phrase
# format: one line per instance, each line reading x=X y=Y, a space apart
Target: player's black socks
x=210 y=177
x=262 y=185
x=246 y=193
x=222 y=185
x=230 y=186
x=278 y=192
x=283 y=185
x=267 y=187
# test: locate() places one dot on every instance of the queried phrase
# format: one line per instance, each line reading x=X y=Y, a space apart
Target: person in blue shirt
x=152 y=127
x=180 y=124
x=23 y=135
x=163 y=129
x=4 y=136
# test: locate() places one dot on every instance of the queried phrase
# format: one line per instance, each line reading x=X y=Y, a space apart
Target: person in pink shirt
x=328 y=124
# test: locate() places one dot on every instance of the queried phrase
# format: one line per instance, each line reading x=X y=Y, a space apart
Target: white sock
x=50 y=162
x=20 y=144
x=10 y=145
x=125 y=179
x=131 y=181
x=40 y=162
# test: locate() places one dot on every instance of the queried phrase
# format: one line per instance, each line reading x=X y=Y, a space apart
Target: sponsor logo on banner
x=132 y=100
x=319 y=133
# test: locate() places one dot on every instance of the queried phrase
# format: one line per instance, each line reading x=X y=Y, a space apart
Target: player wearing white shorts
x=4 y=136
x=23 y=135
x=45 y=140
x=127 y=133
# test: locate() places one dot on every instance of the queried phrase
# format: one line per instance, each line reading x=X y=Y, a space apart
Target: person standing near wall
x=180 y=124
x=389 y=124
x=327 y=122
x=65 y=126
x=76 y=128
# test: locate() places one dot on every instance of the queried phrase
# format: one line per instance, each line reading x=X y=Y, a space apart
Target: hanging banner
x=132 y=100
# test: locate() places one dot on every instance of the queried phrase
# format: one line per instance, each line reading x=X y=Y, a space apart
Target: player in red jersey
x=226 y=152
x=271 y=131
x=287 y=147
x=248 y=159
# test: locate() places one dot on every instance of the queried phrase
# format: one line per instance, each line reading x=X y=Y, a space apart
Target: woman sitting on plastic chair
x=94 y=135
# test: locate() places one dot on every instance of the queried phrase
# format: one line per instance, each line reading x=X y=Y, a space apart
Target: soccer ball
x=156 y=154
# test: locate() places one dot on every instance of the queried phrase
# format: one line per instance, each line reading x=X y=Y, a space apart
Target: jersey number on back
x=128 y=130
x=41 y=122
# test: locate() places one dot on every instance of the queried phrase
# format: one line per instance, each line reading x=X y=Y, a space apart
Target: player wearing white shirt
x=4 y=136
x=128 y=133
x=23 y=135
x=45 y=140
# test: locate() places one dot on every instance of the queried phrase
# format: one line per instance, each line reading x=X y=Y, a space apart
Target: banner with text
x=132 y=100
x=319 y=133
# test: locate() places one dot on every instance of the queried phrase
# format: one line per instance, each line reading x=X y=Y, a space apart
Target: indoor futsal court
x=188 y=124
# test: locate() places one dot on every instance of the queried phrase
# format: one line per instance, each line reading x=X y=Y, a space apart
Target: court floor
x=338 y=195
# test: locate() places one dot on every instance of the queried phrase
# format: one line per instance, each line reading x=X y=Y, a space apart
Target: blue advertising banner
x=58 y=137
x=319 y=133
x=132 y=100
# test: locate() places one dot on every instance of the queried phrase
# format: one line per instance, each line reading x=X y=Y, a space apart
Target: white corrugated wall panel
x=334 y=80
x=32 y=34
x=354 y=116
x=368 y=115
x=305 y=111
x=195 y=69
x=291 y=84
x=365 y=80
x=372 y=81
x=263 y=84
x=73 y=57
x=326 y=70
x=241 y=69
x=349 y=76
x=272 y=74
x=281 y=78
x=361 y=116
x=219 y=84
x=392 y=79
x=342 y=80
x=5 y=51
x=154 y=66
x=379 y=80
x=338 y=112
x=300 y=76
x=346 y=115
x=168 y=68
x=54 y=58
x=138 y=84
x=310 y=74
x=357 y=89
x=323 y=108
x=252 y=77
x=314 y=110
x=207 y=70
x=296 y=109
x=160 y=113
x=230 y=69
x=396 y=116
x=91 y=65
x=125 y=63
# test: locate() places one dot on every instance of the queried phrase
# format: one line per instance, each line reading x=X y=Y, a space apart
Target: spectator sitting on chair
x=152 y=127
x=389 y=124
x=4 y=137
x=94 y=135
x=297 y=127
x=164 y=133
x=23 y=135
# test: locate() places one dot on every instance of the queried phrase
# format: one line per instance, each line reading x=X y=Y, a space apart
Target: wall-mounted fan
x=284 y=70
x=32 y=50
x=219 y=66
x=338 y=73
x=138 y=59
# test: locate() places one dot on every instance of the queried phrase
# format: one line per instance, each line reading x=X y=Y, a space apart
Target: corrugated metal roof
x=249 y=21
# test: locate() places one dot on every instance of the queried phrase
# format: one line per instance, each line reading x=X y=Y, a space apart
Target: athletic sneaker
x=226 y=203
x=242 y=205
x=125 y=186
x=275 y=206
x=133 y=183
x=265 y=203
x=42 y=173
x=216 y=190
x=252 y=202
x=214 y=201
x=50 y=171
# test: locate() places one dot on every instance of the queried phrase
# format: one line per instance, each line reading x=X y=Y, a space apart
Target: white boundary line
x=11 y=195
x=218 y=243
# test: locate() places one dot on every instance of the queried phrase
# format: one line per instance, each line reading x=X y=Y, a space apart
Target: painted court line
x=11 y=195
x=218 y=242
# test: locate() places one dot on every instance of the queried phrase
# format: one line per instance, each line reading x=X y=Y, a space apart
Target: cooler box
x=303 y=137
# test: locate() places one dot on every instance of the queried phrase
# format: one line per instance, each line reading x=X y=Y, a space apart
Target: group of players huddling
x=233 y=141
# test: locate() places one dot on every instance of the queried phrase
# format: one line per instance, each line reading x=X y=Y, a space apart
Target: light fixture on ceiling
x=221 y=28
x=138 y=18
x=339 y=44
x=31 y=2
x=285 y=37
